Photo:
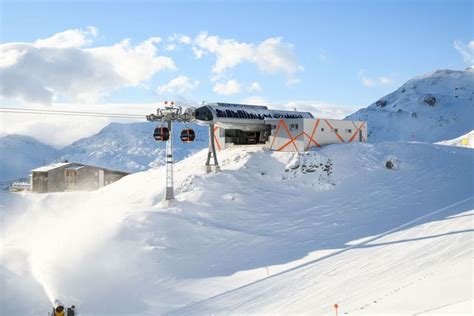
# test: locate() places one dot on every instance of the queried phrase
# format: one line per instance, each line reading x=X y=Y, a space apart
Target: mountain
x=131 y=146
x=19 y=154
x=120 y=146
x=430 y=108
x=272 y=233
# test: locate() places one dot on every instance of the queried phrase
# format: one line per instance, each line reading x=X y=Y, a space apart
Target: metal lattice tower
x=169 y=193
x=170 y=114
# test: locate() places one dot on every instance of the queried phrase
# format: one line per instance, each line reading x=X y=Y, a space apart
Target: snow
x=272 y=233
x=309 y=221
x=430 y=108
x=466 y=140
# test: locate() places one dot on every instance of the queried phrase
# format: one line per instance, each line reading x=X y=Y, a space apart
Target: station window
x=294 y=127
x=349 y=130
x=322 y=129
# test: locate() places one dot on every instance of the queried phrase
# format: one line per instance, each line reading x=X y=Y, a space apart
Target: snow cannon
x=59 y=310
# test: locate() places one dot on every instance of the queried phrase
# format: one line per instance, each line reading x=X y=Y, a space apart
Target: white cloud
x=466 y=51
x=273 y=56
x=270 y=56
x=183 y=39
x=369 y=82
x=292 y=81
x=198 y=53
x=255 y=100
x=60 y=66
x=170 y=47
x=385 y=80
x=254 y=87
x=179 y=85
x=69 y=38
x=228 y=88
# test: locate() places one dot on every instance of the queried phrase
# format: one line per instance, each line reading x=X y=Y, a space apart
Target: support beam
x=211 y=154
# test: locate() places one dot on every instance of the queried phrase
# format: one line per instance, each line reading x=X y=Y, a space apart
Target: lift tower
x=168 y=115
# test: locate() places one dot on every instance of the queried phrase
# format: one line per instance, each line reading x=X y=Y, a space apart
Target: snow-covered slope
x=266 y=212
x=19 y=154
x=430 y=108
x=130 y=147
x=466 y=140
x=423 y=269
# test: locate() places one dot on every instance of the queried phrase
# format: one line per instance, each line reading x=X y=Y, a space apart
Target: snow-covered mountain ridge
x=119 y=146
x=131 y=147
x=19 y=154
x=433 y=107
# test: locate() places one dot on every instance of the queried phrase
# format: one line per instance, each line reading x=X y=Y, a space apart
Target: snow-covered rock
x=466 y=140
x=430 y=108
x=19 y=154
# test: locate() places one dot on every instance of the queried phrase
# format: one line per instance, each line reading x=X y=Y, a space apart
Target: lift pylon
x=168 y=115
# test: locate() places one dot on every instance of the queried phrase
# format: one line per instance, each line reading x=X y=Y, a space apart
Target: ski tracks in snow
x=308 y=264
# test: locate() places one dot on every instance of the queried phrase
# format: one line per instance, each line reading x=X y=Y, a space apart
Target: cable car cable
x=70 y=113
x=63 y=111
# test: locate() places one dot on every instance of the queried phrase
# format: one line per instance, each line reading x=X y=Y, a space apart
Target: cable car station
x=241 y=124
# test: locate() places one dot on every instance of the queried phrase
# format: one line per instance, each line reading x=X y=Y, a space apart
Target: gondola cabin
x=187 y=135
x=161 y=133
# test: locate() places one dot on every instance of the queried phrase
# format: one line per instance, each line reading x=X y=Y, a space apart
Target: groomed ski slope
x=421 y=270
x=119 y=251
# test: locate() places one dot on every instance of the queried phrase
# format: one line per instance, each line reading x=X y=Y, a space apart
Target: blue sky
x=351 y=52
